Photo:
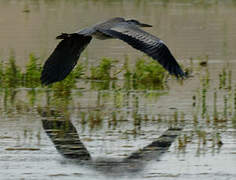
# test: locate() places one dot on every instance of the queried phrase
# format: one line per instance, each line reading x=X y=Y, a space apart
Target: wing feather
x=146 y=43
x=64 y=58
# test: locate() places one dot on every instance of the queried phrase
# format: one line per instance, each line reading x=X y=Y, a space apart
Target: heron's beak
x=145 y=25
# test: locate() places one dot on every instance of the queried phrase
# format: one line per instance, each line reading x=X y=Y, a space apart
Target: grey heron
x=65 y=56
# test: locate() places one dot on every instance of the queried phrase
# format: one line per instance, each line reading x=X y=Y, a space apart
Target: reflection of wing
x=156 y=148
x=64 y=57
x=146 y=43
x=65 y=138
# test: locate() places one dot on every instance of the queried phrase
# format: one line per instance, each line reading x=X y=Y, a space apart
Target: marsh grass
x=215 y=112
x=234 y=113
x=12 y=76
x=1 y=73
x=147 y=74
x=204 y=104
x=204 y=127
x=225 y=79
x=11 y=73
x=235 y=101
x=95 y=119
x=148 y=71
x=31 y=78
x=103 y=70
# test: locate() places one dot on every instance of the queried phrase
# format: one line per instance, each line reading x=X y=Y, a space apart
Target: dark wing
x=64 y=58
x=146 y=43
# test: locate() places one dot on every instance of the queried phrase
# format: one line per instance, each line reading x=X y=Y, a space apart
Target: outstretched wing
x=64 y=58
x=146 y=43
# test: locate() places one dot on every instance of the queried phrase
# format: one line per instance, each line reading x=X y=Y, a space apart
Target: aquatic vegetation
x=128 y=89
x=32 y=96
x=11 y=73
x=127 y=71
x=204 y=106
x=229 y=79
x=235 y=100
x=63 y=88
x=31 y=78
x=175 y=116
x=225 y=107
x=147 y=74
x=100 y=85
x=112 y=122
x=234 y=113
x=222 y=79
x=9 y=95
x=148 y=71
x=225 y=78
x=201 y=136
x=12 y=76
x=95 y=119
x=1 y=73
x=215 y=112
x=103 y=70
x=79 y=71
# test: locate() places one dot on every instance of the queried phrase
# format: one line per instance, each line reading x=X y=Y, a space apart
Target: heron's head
x=137 y=23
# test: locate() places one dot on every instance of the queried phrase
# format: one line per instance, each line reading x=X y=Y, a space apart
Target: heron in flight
x=64 y=58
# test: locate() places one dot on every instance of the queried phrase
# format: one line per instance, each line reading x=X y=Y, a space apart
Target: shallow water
x=190 y=28
x=115 y=133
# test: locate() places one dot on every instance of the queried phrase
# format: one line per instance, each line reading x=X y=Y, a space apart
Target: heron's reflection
x=66 y=140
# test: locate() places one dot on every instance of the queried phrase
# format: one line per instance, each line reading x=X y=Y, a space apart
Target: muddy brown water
x=122 y=134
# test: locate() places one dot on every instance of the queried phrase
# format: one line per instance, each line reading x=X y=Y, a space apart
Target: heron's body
x=94 y=30
x=65 y=56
